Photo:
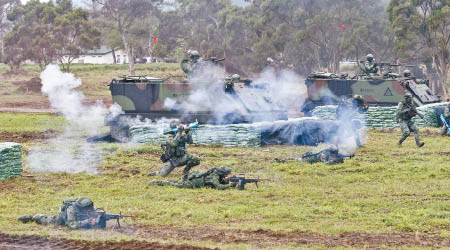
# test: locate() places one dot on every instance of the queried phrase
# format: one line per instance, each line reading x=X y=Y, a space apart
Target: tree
x=422 y=28
x=45 y=32
x=5 y=24
x=72 y=32
x=122 y=15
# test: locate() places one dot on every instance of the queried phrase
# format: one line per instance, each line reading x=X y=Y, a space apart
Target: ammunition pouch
x=165 y=155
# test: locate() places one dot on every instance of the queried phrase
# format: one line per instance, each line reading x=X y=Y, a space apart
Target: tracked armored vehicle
x=146 y=97
x=385 y=89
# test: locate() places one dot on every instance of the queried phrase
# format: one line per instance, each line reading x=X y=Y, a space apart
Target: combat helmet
x=407 y=73
x=369 y=57
x=235 y=77
x=84 y=202
x=223 y=170
x=358 y=97
x=194 y=54
x=408 y=96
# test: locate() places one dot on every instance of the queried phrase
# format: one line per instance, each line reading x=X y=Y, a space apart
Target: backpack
x=62 y=218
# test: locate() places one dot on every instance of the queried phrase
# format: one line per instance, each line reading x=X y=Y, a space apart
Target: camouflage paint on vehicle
x=383 y=92
x=145 y=96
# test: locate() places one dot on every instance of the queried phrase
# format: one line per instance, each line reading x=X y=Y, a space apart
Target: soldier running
x=406 y=110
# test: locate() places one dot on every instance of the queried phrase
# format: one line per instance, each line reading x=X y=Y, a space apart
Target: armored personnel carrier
x=383 y=89
x=146 y=97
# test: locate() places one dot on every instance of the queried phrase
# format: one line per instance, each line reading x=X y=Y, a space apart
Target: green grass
x=95 y=77
x=384 y=188
x=14 y=122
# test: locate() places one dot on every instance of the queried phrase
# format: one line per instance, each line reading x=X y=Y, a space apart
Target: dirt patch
x=385 y=130
x=36 y=242
x=21 y=137
x=9 y=73
x=33 y=85
x=261 y=238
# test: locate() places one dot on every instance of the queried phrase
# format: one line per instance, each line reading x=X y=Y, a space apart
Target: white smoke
x=69 y=152
x=270 y=91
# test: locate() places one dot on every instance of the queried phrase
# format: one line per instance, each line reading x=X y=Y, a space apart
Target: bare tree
x=122 y=15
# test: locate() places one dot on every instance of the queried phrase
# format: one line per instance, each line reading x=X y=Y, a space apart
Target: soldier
x=329 y=155
x=444 y=129
x=346 y=113
x=229 y=83
x=190 y=65
x=212 y=178
x=75 y=214
x=178 y=156
x=369 y=67
x=406 y=110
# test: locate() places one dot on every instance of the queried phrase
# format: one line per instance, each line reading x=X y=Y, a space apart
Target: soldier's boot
x=418 y=143
x=25 y=218
x=399 y=143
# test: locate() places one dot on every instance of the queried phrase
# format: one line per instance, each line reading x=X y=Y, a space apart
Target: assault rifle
x=101 y=217
x=241 y=181
x=412 y=111
x=175 y=130
x=445 y=123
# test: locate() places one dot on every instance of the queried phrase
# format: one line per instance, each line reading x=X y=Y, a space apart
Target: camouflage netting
x=10 y=160
x=246 y=135
x=384 y=117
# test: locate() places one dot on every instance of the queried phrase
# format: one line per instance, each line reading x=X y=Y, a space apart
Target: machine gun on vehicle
x=241 y=181
x=213 y=59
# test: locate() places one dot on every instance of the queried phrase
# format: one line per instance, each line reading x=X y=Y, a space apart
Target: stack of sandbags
x=245 y=135
x=10 y=160
x=384 y=117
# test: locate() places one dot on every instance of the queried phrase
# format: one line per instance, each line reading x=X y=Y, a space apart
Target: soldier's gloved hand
x=233 y=184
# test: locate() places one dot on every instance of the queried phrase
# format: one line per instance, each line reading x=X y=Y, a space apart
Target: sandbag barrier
x=384 y=117
x=300 y=131
x=10 y=160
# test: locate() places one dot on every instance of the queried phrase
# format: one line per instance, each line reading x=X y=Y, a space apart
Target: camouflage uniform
x=193 y=63
x=229 y=83
x=212 y=178
x=404 y=117
x=369 y=67
x=330 y=156
x=346 y=113
x=178 y=154
x=74 y=214
x=444 y=129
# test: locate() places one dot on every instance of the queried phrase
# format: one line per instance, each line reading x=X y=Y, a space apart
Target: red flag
x=155 y=40
x=342 y=26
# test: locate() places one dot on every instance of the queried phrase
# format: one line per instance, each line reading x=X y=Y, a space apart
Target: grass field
x=383 y=190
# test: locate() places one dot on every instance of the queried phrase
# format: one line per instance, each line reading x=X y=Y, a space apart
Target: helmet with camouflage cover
x=84 y=202
x=235 y=77
x=358 y=97
x=369 y=57
x=408 y=96
x=223 y=170
x=407 y=73
x=194 y=54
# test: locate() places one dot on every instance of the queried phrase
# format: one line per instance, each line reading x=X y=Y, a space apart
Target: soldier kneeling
x=75 y=213
x=213 y=178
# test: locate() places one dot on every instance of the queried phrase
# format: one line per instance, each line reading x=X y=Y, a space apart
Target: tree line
x=303 y=35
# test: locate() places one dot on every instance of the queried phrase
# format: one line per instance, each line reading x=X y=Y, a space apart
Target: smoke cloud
x=270 y=91
x=69 y=152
